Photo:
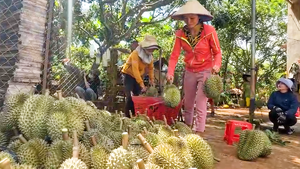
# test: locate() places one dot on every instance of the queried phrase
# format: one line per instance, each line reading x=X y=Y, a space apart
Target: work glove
x=281 y=118
x=277 y=109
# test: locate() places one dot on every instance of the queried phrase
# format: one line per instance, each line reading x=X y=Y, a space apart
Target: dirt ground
x=287 y=157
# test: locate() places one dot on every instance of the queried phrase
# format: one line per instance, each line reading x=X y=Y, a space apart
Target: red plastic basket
x=155 y=107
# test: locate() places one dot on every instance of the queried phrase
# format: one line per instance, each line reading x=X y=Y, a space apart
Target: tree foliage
x=112 y=21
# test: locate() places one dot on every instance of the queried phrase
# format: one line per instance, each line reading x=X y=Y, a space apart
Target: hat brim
x=281 y=81
x=152 y=47
x=202 y=17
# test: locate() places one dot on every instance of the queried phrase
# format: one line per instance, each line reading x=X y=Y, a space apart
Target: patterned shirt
x=192 y=40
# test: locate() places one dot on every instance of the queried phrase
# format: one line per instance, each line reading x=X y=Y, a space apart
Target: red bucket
x=155 y=107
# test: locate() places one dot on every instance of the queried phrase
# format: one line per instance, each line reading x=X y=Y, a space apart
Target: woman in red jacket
x=202 y=57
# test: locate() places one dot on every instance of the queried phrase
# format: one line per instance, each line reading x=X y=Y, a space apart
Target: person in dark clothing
x=87 y=85
x=283 y=105
x=89 y=90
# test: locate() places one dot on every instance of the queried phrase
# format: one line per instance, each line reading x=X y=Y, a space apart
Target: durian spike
x=129 y=129
x=87 y=125
x=116 y=111
x=141 y=164
x=93 y=139
x=47 y=92
x=130 y=114
x=165 y=120
x=75 y=152
x=75 y=139
x=125 y=140
x=176 y=133
x=172 y=120
x=5 y=164
x=65 y=135
x=59 y=94
x=15 y=131
x=22 y=139
x=146 y=145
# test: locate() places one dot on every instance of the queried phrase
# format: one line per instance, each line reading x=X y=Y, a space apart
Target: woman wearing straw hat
x=202 y=57
x=140 y=59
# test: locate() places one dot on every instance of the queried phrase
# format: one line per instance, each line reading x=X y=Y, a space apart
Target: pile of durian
x=44 y=132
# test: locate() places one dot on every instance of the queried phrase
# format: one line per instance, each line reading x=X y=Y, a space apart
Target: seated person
x=88 y=91
x=283 y=105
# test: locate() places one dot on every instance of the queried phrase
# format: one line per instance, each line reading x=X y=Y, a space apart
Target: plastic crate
x=155 y=107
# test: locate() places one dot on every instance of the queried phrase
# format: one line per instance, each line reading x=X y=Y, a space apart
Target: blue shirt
x=286 y=101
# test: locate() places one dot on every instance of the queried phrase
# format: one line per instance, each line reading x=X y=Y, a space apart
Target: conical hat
x=149 y=42
x=193 y=7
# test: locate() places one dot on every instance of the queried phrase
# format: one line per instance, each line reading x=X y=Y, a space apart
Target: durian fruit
x=14 y=105
x=3 y=139
x=23 y=166
x=253 y=144
x=201 y=152
x=59 y=151
x=121 y=157
x=14 y=145
x=164 y=132
x=180 y=147
x=74 y=162
x=82 y=109
x=172 y=96
x=140 y=151
x=165 y=157
x=63 y=116
x=99 y=156
x=213 y=87
x=34 y=115
x=101 y=139
x=4 y=155
x=153 y=139
x=182 y=128
x=152 y=92
x=6 y=163
x=33 y=152
x=89 y=103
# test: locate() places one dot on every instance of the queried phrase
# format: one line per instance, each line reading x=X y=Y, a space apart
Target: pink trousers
x=193 y=93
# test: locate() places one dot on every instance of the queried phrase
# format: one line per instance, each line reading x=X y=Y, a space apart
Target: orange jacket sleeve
x=151 y=71
x=216 y=50
x=174 y=55
x=135 y=68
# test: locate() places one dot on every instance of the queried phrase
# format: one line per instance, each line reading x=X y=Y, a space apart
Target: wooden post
x=46 y=59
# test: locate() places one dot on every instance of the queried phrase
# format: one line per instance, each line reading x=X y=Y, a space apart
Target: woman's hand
x=152 y=83
x=144 y=89
x=170 y=78
x=216 y=69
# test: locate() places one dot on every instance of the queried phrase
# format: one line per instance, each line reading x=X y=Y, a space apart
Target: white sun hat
x=193 y=7
x=149 y=42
